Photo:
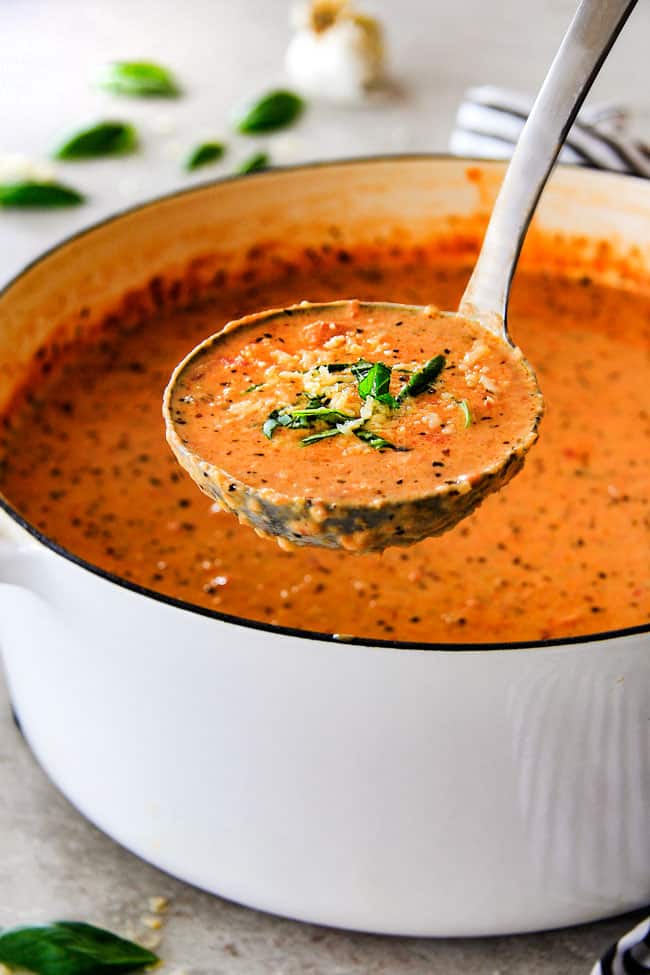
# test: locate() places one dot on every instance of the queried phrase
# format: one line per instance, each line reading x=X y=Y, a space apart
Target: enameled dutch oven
x=429 y=789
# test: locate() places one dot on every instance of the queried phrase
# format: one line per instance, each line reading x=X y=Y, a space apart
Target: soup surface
x=562 y=550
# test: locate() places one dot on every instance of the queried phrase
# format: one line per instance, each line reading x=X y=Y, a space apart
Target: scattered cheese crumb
x=349 y=426
x=344 y=399
x=149 y=921
x=478 y=350
x=488 y=383
x=335 y=342
x=431 y=419
x=158 y=905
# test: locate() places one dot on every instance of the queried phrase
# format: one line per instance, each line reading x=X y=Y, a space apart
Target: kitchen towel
x=490 y=119
x=629 y=956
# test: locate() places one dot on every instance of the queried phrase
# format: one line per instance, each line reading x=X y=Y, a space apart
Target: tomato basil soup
x=562 y=550
x=323 y=410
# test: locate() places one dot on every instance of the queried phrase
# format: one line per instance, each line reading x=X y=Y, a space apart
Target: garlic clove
x=335 y=52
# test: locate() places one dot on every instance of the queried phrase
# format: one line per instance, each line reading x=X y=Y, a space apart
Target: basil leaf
x=269 y=426
x=297 y=419
x=251 y=389
x=259 y=160
x=376 y=383
x=321 y=413
x=337 y=366
x=276 y=418
x=360 y=369
x=31 y=193
x=315 y=437
x=103 y=139
x=272 y=111
x=207 y=152
x=467 y=413
x=374 y=440
x=71 y=948
x=314 y=401
x=422 y=380
x=139 y=78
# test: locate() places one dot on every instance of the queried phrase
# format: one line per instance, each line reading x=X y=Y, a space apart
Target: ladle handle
x=586 y=44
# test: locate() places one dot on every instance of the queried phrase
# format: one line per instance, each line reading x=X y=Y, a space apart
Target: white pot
x=425 y=791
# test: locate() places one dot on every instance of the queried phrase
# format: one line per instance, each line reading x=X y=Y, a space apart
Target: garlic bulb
x=17 y=168
x=335 y=52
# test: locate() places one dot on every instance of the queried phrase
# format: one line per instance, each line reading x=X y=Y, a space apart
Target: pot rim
x=313 y=635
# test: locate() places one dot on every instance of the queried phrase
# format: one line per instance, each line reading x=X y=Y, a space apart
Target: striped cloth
x=489 y=121
x=629 y=956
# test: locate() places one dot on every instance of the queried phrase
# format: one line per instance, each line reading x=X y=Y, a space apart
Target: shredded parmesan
x=431 y=419
x=488 y=383
x=478 y=351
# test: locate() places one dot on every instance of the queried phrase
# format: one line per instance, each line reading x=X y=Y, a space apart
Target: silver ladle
x=373 y=526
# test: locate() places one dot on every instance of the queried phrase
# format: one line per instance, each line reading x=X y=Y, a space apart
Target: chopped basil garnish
x=373 y=382
x=302 y=417
x=275 y=419
x=254 y=163
x=360 y=369
x=315 y=412
x=376 y=383
x=423 y=379
x=103 y=139
x=272 y=111
x=312 y=414
x=323 y=435
x=251 y=389
x=139 y=78
x=71 y=948
x=337 y=366
x=31 y=193
x=467 y=413
x=203 y=155
x=374 y=440
x=373 y=379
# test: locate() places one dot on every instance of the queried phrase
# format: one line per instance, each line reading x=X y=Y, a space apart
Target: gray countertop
x=54 y=864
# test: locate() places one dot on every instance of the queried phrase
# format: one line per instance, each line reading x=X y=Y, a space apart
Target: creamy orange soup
x=562 y=550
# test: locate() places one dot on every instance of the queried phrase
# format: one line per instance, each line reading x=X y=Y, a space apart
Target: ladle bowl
x=329 y=520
